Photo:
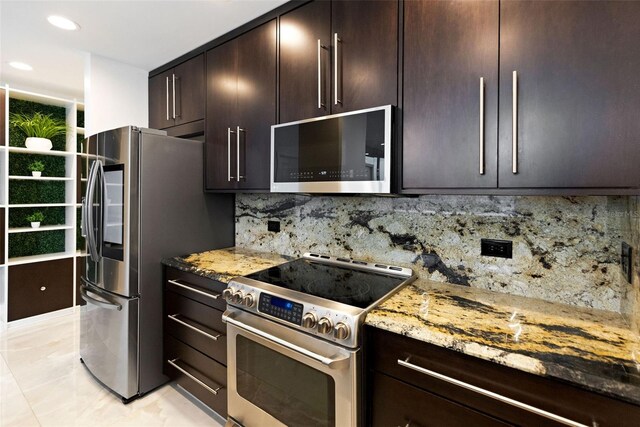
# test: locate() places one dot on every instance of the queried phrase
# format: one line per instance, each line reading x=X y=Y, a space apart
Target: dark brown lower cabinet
x=403 y=390
x=39 y=288
x=195 y=343
x=81 y=266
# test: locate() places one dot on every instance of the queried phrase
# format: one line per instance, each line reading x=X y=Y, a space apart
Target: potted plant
x=38 y=128
x=35 y=219
x=36 y=167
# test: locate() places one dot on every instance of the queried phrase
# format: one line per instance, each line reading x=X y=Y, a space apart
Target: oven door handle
x=328 y=361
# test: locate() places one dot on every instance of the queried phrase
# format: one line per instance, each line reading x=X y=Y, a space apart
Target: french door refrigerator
x=144 y=201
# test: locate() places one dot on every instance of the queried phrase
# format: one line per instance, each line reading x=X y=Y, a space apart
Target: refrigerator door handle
x=103 y=304
x=88 y=214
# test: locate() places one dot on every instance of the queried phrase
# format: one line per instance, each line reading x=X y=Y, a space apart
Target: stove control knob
x=309 y=320
x=341 y=331
x=324 y=325
x=228 y=293
x=248 y=300
x=237 y=297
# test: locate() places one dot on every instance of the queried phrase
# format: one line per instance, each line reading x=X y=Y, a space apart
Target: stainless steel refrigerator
x=144 y=201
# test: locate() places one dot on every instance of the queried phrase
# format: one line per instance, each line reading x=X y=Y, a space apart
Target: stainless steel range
x=294 y=337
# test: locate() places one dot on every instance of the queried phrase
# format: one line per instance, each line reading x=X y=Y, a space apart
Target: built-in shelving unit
x=56 y=194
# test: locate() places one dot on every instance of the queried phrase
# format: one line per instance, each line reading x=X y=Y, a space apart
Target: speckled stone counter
x=225 y=264
x=590 y=348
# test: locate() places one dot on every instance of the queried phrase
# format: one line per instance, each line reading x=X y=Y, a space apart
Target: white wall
x=115 y=95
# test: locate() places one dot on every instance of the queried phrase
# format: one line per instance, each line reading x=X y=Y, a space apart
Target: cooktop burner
x=336 y=283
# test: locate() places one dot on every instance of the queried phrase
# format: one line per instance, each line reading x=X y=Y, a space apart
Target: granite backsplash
x=565 y=249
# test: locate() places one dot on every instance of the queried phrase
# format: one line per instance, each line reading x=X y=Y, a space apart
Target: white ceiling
x=145 y=34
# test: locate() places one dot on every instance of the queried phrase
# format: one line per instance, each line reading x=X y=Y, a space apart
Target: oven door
x=278 y=376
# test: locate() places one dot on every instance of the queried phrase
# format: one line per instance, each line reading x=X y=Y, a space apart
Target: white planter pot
x=35 y=225
x=36 y=174
x=39 y=144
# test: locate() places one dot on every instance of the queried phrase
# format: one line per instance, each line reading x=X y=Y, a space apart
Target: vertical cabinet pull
x=481 y=125
x=320 y=91
x=167 y=81
x=229 y=132
x=514 y=125
x=238 y=130
x=173 y=92
x=336 y=40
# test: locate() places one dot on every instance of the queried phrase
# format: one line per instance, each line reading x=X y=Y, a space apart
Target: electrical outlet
x=497 y=248
x=273 y=226
x=626 y=261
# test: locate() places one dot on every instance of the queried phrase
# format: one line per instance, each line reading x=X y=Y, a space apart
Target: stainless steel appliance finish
x=144 y=201
x=294 y=355
x=340 y=153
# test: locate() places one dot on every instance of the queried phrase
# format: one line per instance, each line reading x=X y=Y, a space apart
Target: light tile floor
x=43 y=383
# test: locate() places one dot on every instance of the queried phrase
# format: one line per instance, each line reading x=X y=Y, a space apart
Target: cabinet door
x=448 y=48
x=366 y=54
x=189 y=91
x=40 y=288
x=577 y=100
x=160 y=106
x=222 y=91
x=256 y=104
x=304 y=78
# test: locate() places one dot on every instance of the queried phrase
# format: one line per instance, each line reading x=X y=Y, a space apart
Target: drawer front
x=385 y=350
x=398 y=404
x=197 y=325
x=201 y=289
x=200 y=375
x=40 y=288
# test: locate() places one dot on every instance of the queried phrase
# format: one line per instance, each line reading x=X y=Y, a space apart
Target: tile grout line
x=15 y=380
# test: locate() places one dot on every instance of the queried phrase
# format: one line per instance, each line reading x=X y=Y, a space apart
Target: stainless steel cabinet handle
x=173 y=93
x=229 y=132
x=328 y=361
x=167 y=81
x=206 y=294
x=174 y=317
x=320 y=47
x=481 y=125
x=514 y=126
x=173 y=363
x=336 y=40
x=490 y=394
x=238 y=130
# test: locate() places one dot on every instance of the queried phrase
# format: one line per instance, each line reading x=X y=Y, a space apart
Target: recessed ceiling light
x=21 y=66
x=62 y=22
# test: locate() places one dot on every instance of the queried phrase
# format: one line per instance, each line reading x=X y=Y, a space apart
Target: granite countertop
x=590 y=348
x=225 y=264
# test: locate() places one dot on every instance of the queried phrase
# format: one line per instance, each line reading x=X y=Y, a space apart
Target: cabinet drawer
x=40 y=288
x=200 y=375
x=197 y=325
x=409 y=360
x=198 y=288
x=413 y=406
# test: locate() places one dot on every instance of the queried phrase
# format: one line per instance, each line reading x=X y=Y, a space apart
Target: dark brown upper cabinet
x=176 y=96
x=567 y=99
x=450 y=94
x=241 y=107
x=338 y=56
x=570 y=68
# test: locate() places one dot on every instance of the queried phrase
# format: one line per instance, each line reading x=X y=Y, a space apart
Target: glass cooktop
x=348 y=286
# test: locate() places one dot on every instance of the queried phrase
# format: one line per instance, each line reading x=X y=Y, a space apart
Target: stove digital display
x=280 y=308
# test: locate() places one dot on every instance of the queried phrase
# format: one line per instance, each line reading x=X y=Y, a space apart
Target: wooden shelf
x=41 y=152
x=42 y=205
x=41 y=228
x=41 y=178
x=39 y=258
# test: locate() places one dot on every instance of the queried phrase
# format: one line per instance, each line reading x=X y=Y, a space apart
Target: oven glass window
x=348 y=148
x=290 y=391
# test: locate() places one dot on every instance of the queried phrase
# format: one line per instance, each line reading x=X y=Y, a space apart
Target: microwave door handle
x=327 y=361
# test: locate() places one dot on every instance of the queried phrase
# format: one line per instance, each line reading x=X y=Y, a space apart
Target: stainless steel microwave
x=341 y=153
